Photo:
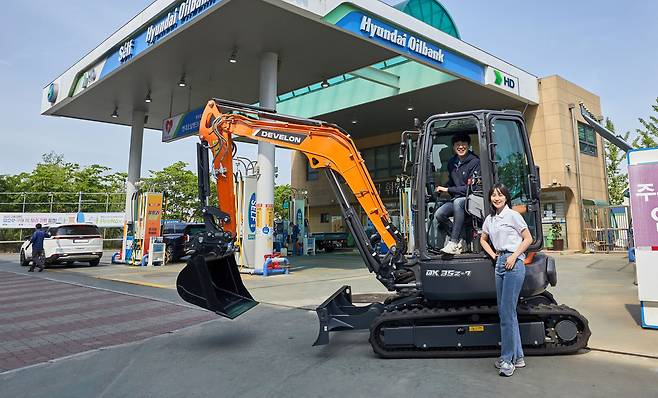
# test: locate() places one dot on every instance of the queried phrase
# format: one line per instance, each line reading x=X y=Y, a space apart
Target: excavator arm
x=211 y=279
x=325 y=145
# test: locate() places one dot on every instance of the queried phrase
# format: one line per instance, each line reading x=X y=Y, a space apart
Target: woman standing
x=509 y=234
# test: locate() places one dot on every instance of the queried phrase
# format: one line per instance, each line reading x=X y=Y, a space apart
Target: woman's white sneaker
x=506 y=369
x=519 y=363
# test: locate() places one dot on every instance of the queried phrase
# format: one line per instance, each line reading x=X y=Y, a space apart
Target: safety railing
x=607 y=229
x=57 y=202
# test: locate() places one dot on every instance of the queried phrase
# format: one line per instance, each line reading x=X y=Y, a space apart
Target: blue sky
x=609 y=48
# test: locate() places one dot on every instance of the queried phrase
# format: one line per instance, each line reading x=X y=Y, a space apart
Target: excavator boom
x=211 y=278
x=325 y=145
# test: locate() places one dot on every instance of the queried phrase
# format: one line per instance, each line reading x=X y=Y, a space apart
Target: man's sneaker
x=519 y=363
x=451 y=248
x=506 y=369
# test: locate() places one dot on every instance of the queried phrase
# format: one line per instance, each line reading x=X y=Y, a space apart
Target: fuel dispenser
x=141 y=242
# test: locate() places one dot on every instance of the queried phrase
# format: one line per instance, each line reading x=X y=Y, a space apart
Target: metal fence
x=607 y=228
x=61 y=202
x=58 y=202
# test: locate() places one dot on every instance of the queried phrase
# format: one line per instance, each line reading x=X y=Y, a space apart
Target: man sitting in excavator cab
x=462 y=169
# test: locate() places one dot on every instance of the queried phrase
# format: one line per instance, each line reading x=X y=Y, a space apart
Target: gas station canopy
x=179 y=54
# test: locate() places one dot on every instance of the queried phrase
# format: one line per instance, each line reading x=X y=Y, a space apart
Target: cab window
x=511 y=167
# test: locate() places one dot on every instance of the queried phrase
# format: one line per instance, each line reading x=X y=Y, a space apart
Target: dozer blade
x=214 y=283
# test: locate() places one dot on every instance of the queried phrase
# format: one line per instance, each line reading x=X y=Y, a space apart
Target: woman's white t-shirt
x=504 y=230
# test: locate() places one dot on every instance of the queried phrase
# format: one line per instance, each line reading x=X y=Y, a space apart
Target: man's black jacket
x=459 y=172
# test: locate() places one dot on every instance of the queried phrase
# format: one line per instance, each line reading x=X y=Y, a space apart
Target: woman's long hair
x=500 y=187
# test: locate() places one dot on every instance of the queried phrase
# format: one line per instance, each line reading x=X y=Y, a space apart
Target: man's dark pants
x=456 y=209
x=38 y=260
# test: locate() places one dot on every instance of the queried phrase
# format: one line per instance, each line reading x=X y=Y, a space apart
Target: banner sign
x=411 y=45
x=167 y=22
x=181 y=126
x=643 y=192
x=152 y=218
x=29 y=220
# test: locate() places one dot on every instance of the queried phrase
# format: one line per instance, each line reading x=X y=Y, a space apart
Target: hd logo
x=496 y=78
x=504 y=80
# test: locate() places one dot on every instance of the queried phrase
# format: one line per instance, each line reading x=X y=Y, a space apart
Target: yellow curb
x=133 y=282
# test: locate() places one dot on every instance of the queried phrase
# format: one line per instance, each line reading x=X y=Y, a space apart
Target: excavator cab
x=500 y=141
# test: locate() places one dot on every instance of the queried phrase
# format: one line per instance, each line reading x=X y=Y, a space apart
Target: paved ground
x=41 y=320
x=268 y=352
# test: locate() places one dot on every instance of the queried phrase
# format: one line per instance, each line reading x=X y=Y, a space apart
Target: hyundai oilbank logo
x=252 y=213
x=52 y=92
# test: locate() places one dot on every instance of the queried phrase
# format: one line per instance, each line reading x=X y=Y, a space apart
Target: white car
x=68 y=243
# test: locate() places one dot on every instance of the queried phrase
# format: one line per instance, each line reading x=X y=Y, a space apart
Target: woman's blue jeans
x=508 y=287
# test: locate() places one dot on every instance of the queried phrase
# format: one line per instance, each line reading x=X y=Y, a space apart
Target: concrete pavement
x=268 y=352
x=600 y=286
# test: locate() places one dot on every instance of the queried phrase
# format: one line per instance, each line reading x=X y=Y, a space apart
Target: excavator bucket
x=214 y=283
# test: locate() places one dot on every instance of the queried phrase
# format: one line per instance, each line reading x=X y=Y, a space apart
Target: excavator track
x=550 y=315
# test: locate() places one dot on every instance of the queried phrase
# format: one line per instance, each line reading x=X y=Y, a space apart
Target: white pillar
x=265 y=184
x=134 y=160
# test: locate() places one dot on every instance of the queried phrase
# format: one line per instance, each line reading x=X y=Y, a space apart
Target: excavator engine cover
x=214 y=283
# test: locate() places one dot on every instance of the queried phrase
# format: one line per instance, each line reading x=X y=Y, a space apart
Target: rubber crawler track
x=548 y=313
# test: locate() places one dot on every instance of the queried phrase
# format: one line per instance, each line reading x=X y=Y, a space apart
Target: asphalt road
x=267 y=352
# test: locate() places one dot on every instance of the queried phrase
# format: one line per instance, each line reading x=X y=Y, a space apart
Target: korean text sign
x=643 y=192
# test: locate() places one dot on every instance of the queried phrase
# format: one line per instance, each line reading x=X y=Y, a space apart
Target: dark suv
x=176 y=236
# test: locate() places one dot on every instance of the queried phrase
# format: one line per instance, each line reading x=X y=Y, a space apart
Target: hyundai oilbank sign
x=411 y=45
x=169 y=21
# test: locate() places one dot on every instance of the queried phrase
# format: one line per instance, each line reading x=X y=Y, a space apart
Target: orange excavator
x=444 y=305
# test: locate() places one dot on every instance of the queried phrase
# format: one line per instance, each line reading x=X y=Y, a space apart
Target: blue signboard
x=171 y=20
x=411 y=45
x=181 y=126
x=252 y=213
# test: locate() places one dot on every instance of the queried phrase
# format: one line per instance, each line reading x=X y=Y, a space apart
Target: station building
x=568 y=151
x=364 y=65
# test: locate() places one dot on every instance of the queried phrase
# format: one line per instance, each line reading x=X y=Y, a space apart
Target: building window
x=325 y=217
x=311 y=174
x=587 y=138
x=382 y=161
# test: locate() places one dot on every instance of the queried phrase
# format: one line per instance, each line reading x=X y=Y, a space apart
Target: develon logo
x=282 y=136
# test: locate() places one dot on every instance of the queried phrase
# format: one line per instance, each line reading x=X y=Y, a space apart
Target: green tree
x=614 y=158
x=180 y=187
x=648 y=135
x=282 y=193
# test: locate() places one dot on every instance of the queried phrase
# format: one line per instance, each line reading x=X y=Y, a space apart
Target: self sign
x=126 y=50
